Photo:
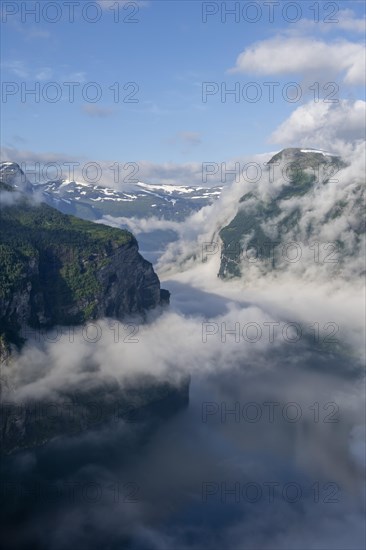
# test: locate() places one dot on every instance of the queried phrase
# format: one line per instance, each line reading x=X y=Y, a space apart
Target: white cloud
x=323 y=125
x=348 y=21
x=289 y=55
x=345 y=20
x=141 y=225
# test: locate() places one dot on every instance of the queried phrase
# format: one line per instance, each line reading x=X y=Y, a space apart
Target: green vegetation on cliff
x=31 y=232
x=54 y=268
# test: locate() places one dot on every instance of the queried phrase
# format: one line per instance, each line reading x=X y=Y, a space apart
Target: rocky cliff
x=144 y=400
x=59 y=270
x=56 y=269
x=304 y=214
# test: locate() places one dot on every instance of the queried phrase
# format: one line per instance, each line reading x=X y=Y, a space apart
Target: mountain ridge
x=299 y=199
x=92 y=201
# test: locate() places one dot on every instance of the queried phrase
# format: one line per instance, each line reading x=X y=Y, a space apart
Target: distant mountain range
x=92 y=202
x=298 y=198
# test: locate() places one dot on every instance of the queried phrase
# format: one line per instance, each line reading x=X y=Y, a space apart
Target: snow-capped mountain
x=91 y=201
x=96 y=202
x=12 y=174
x=138 y=200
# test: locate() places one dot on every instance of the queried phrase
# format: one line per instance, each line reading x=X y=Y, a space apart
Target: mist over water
x=267 y=455
x=269 y=451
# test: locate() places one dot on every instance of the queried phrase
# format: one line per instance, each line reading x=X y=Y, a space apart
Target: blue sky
x=168 y=54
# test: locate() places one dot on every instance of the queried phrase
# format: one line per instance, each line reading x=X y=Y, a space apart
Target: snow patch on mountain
x=324 y=153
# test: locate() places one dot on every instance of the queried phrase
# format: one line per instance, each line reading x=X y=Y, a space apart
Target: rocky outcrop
x=56 y=269
x=33 y=423
x=12 y=175
x=128 y=284
x=301 y=201
x=123 y=282
x=59 y=270
x=5 y=351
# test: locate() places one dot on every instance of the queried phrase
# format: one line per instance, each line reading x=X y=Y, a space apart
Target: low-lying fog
x=269 y=453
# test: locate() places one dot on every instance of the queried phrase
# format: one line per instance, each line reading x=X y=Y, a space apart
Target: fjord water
x=210 y=476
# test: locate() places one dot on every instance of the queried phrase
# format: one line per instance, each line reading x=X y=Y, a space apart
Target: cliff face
x=301 y=198
x=57 y=269
x=33 y=423
x=121 y=283
x=128 y=284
